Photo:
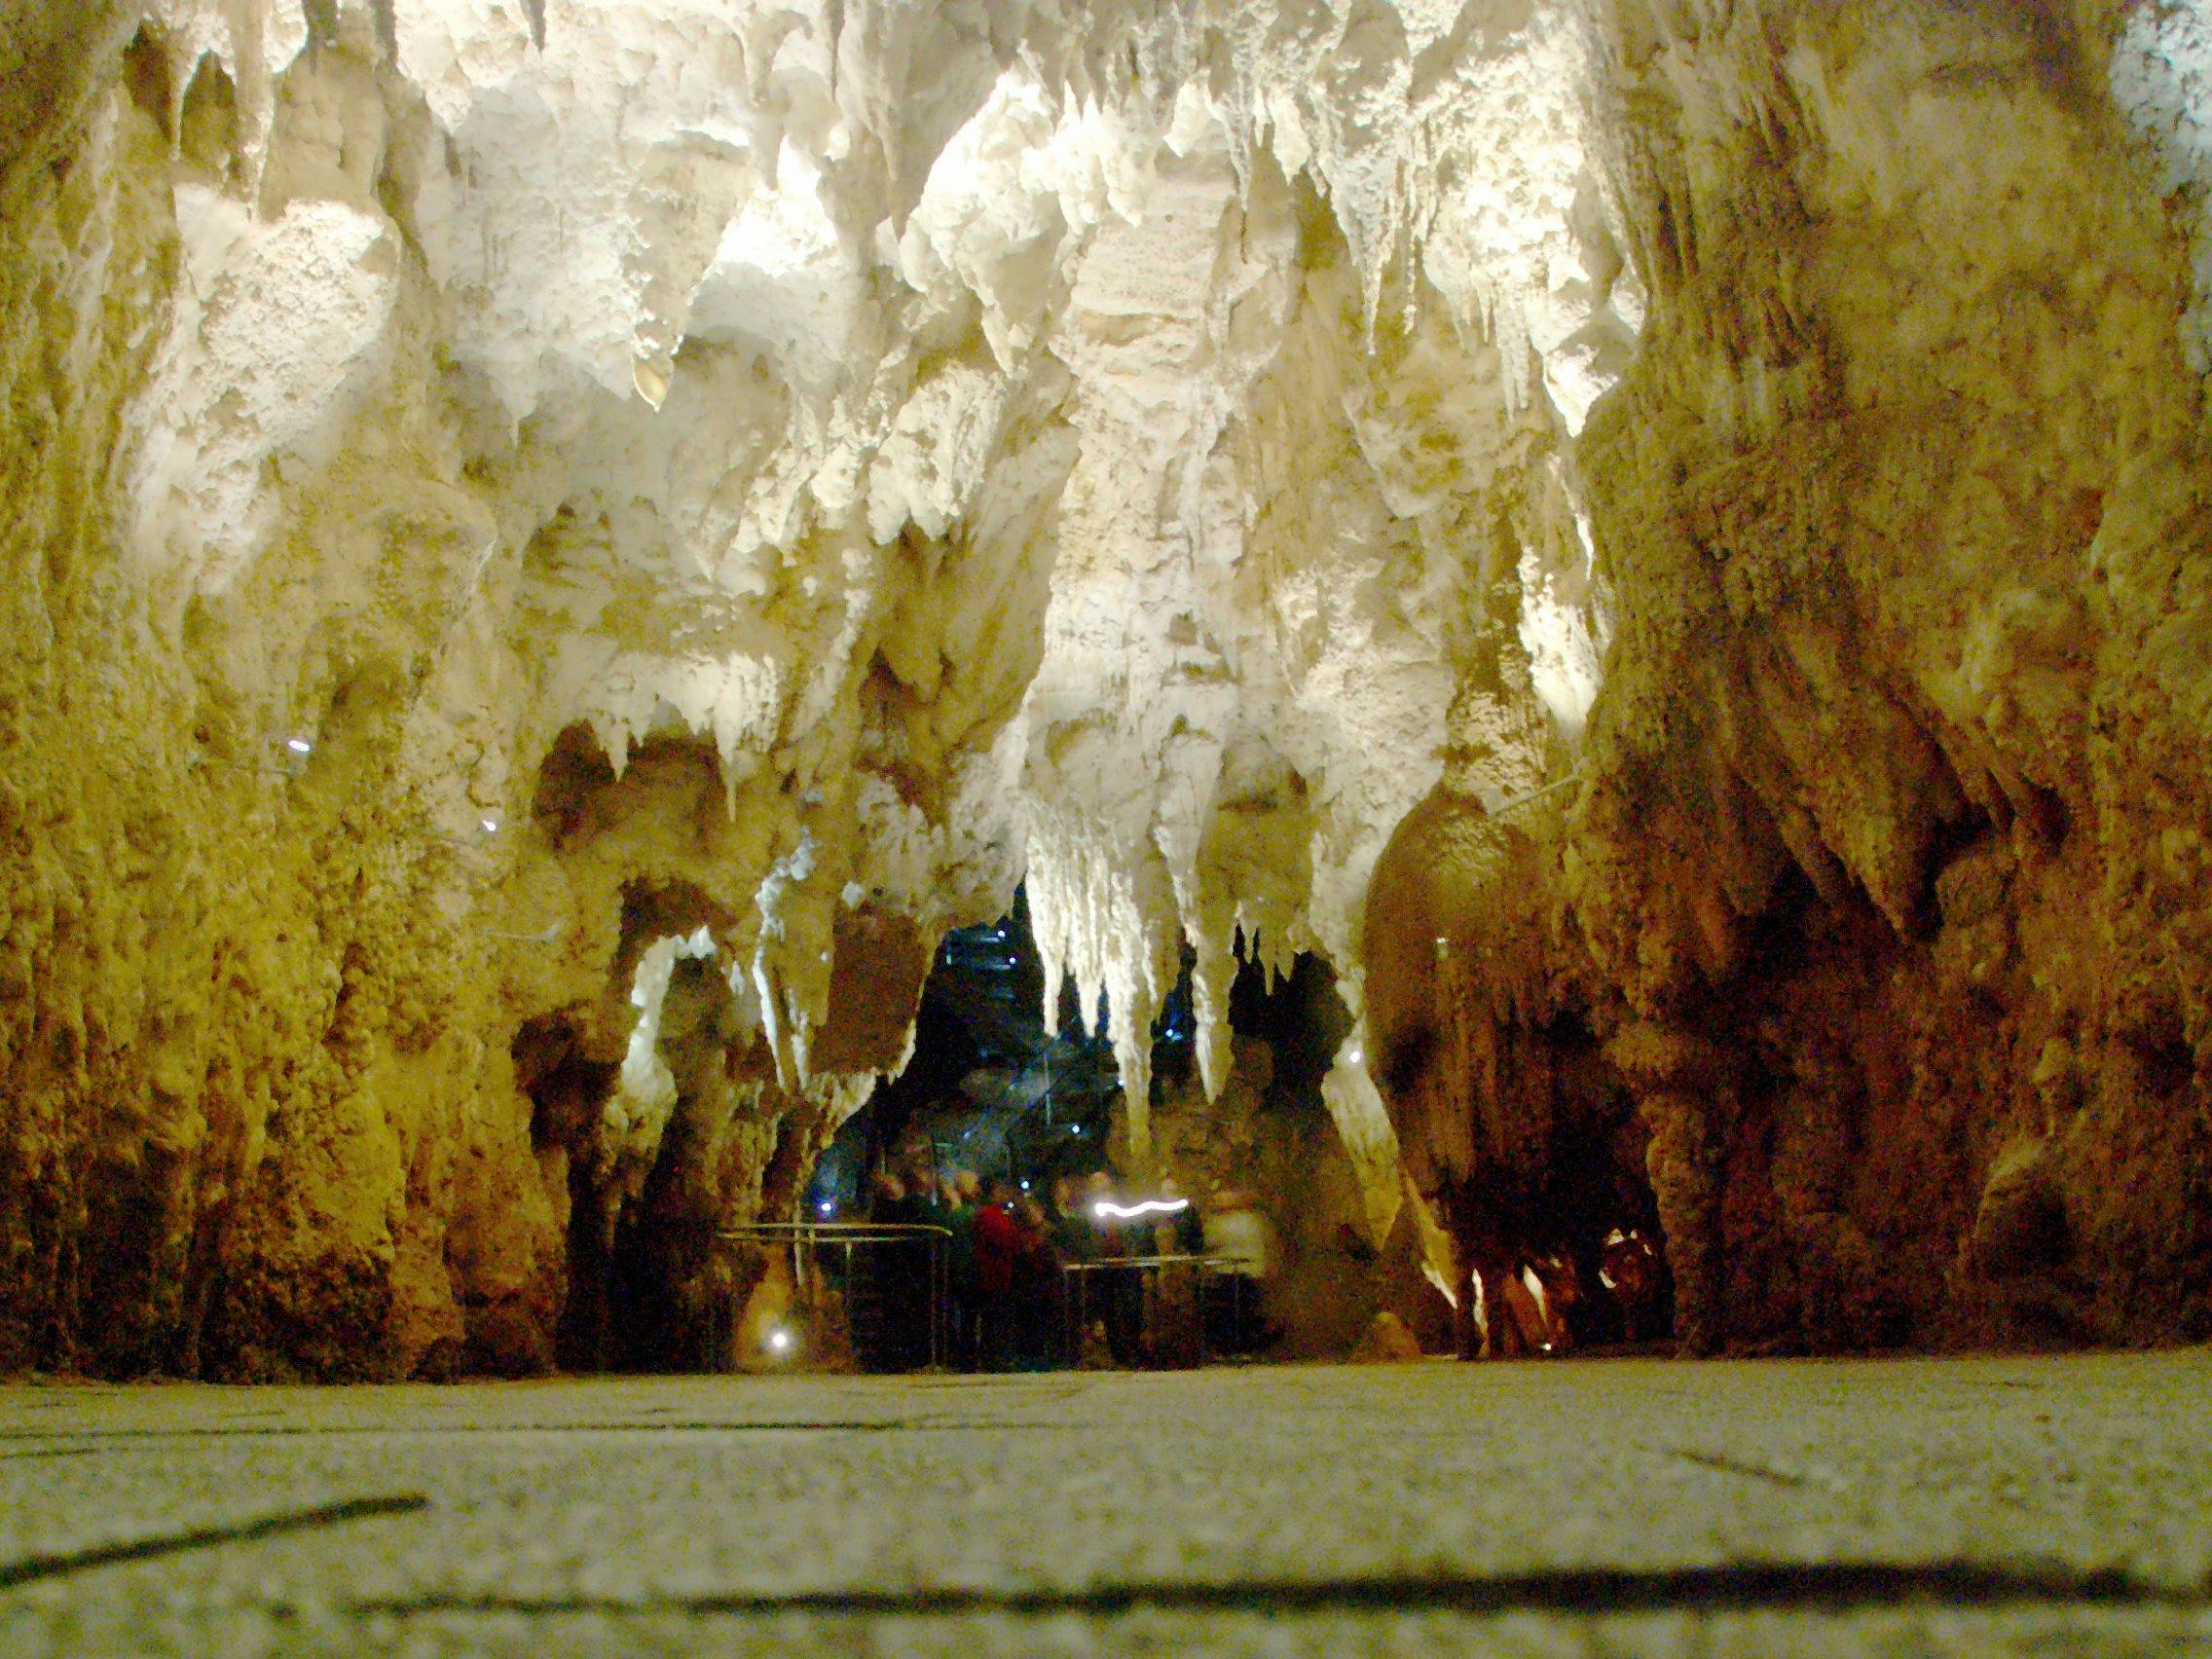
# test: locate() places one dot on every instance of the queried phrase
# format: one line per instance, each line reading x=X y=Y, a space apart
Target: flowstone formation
x=554 y=551
x=1877 y=909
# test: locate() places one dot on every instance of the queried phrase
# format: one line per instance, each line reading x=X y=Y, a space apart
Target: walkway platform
x=1574 y=1508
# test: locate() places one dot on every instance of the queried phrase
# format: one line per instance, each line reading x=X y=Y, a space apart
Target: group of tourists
x=1544 y=1304
x=1000 y=1286
x=1005 y=1275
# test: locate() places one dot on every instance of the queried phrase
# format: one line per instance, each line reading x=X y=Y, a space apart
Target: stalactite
x=863 y=456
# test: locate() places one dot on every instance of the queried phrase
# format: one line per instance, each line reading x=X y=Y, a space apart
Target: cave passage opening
x=988 y=1087
x=669 y=1131
x=1264 y=1171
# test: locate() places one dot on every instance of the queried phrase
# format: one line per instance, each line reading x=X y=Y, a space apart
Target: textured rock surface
x=1881 y=885
x=1267 y=1142
x=724 y=492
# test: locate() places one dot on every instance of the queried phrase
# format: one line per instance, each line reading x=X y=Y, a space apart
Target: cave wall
x=720 y=522
x=1269 y=1138
x=1879 y=878
x=849 y=460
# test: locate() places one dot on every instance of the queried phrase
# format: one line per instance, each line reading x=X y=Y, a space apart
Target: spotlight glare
x=1150 y=1207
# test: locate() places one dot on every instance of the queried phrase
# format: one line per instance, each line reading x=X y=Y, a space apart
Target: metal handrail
x=805 y=1235
x=1075 y=1311
x=843 y=1232
x=1095 y=1262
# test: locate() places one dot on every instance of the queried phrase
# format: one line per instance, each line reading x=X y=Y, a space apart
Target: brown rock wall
x=1881 y=880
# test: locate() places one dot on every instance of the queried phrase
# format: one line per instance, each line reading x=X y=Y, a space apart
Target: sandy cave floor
x=1647 y=1507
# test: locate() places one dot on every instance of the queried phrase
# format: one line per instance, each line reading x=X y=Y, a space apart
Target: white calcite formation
x=722 y=491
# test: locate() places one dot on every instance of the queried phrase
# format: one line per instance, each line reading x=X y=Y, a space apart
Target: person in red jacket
x=998 y=1248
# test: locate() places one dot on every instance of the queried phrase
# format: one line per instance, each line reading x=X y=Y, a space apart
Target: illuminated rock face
x=722 y=493
x=1879 y=912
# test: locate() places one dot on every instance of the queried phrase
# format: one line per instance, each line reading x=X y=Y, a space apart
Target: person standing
x=1241 y=1238
x=959 y=1199
x=1175 y=1330
x=1121 y=1290
x=1036 y=1286
x=997 y=1249
x=1180 y=1232
x=1075 y=1240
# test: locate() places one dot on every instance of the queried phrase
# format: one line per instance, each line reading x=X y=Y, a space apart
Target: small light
x=1025 y=1186
x=489 y=825
x=1101 y=1211
x=829 y=1208
x=1075 y=1129
x=299 y=746
x=1354 y=1056
x=780 y=1340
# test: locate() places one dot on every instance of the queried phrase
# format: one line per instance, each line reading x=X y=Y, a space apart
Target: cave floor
x=1646 y=1507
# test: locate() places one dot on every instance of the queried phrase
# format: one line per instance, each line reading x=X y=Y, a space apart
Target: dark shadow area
x=633 y=1261
x=987 y=1089
x=42 y=1568
x=1746 y=1587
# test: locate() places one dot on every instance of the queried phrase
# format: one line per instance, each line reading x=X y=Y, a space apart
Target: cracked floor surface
x=1629 y=1507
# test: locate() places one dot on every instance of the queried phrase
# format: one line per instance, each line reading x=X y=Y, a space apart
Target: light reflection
x=1129 y=1212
